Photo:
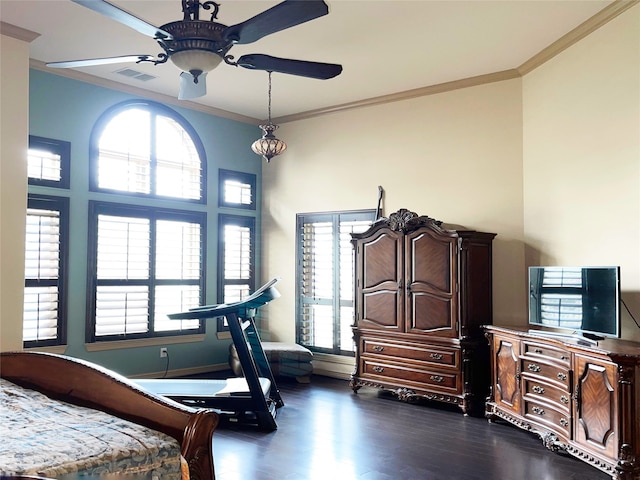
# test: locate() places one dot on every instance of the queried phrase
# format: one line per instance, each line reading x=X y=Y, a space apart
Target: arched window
x=145 y=148
x=146 y=259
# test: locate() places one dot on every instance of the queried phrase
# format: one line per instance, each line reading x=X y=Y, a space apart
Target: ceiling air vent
x=131 y=73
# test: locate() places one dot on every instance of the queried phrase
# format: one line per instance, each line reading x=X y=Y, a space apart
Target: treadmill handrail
x=257 y=299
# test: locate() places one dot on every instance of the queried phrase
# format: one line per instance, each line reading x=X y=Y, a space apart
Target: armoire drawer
x=409 y=374
x=553 y=373
x=546 y=352
x=534 y=389
x=556 y=420
x=433 y=354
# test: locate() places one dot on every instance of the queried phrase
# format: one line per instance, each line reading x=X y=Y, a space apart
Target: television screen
x=579 y=299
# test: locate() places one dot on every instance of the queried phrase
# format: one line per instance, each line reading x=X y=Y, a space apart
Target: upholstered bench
x=285 y=359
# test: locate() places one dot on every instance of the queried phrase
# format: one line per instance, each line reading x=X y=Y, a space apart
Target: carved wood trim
x=87 y=384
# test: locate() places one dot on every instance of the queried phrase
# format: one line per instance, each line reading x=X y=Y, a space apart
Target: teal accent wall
x=66 y=109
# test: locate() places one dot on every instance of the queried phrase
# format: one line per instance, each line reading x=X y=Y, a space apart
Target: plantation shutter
x=326 y=279
x=316 y=327
x=123 y=263
x=42 y=275
x=237 y=263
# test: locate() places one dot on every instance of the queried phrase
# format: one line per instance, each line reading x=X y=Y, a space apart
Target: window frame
x=60 y=147
x=335 y=218
x=155 y=109
x=243 y=221
x=248 y=178
x=60 y=204
x=154 y=214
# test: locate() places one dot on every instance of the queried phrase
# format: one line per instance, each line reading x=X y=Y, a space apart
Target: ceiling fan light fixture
x=196 y=62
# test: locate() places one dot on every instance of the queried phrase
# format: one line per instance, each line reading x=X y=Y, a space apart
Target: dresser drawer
x=536 y=390
x=558 y=421
x=445 y=381
x=548 y=372
x=436 y=355
x=546 y=352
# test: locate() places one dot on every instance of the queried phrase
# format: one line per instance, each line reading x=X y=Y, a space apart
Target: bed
x=175 y=431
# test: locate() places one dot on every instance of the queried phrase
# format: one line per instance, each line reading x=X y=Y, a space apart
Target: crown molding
x=130 y=89
x=18 y=33
x=396 y=97
x=574 y=36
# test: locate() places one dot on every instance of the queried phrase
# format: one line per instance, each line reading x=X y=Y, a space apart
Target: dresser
x=423 y=290
x=578 y=397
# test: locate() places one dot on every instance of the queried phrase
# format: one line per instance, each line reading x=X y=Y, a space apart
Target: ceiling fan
x=198 y=46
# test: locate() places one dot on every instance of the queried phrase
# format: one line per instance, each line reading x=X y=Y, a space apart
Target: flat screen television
x=583 y=300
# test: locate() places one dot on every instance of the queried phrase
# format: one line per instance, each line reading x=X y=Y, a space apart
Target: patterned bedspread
x=41 y=436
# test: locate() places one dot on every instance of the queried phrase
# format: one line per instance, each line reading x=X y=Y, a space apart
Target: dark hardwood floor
x=325 y=431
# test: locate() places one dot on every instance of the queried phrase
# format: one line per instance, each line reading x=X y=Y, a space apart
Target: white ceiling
x=385 y=46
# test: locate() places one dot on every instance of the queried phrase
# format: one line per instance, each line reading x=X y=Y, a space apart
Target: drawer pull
x=378 y=369
x=538 y=410
x=564 y=399
x=562 y=376
x=378 y=348
x=538 y=350
x=564 y=422
x=437 y=378
x=538 y=389
x=533 y=367
x=436 y=356
x=564 y=357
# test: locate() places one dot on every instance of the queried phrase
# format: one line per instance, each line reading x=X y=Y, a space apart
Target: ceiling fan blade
x=190 y=87
x=101 y=61
x=322 y=71
x=284 y=15
x=126 y=18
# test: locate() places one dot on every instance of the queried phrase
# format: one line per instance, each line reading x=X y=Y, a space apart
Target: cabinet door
x=596 y=406
x=506 y=367
x=431 y=301
x=379 y=281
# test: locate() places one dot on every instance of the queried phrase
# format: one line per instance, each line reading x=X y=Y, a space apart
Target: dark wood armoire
x=422 y=292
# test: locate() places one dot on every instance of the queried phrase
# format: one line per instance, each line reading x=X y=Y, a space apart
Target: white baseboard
x=335 y=366
x=181 y=372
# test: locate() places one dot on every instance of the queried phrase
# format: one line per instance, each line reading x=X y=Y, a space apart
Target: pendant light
x=269 y=146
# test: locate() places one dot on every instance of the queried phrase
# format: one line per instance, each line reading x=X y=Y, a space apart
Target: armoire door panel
x=381 y=309
x=430 y=263
x=430 y=313
x=382 y=264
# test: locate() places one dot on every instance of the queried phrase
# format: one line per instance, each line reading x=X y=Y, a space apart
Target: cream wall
x=582 y=157
x=455 y=156
x=14 y=110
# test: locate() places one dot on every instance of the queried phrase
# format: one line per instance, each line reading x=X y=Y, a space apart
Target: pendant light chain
x=269 y=146
x=269 y=96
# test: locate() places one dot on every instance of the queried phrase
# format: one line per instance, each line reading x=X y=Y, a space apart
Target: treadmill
x=252 y=399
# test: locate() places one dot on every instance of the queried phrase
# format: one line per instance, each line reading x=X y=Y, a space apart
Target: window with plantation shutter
x=45 y=268
x=48 y=162
x=148 y=263
x=324 y=279
x=236 y=257
x=237 y=189
x=147 y=149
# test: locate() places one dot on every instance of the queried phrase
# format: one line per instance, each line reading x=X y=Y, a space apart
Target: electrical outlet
x=163 y=352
